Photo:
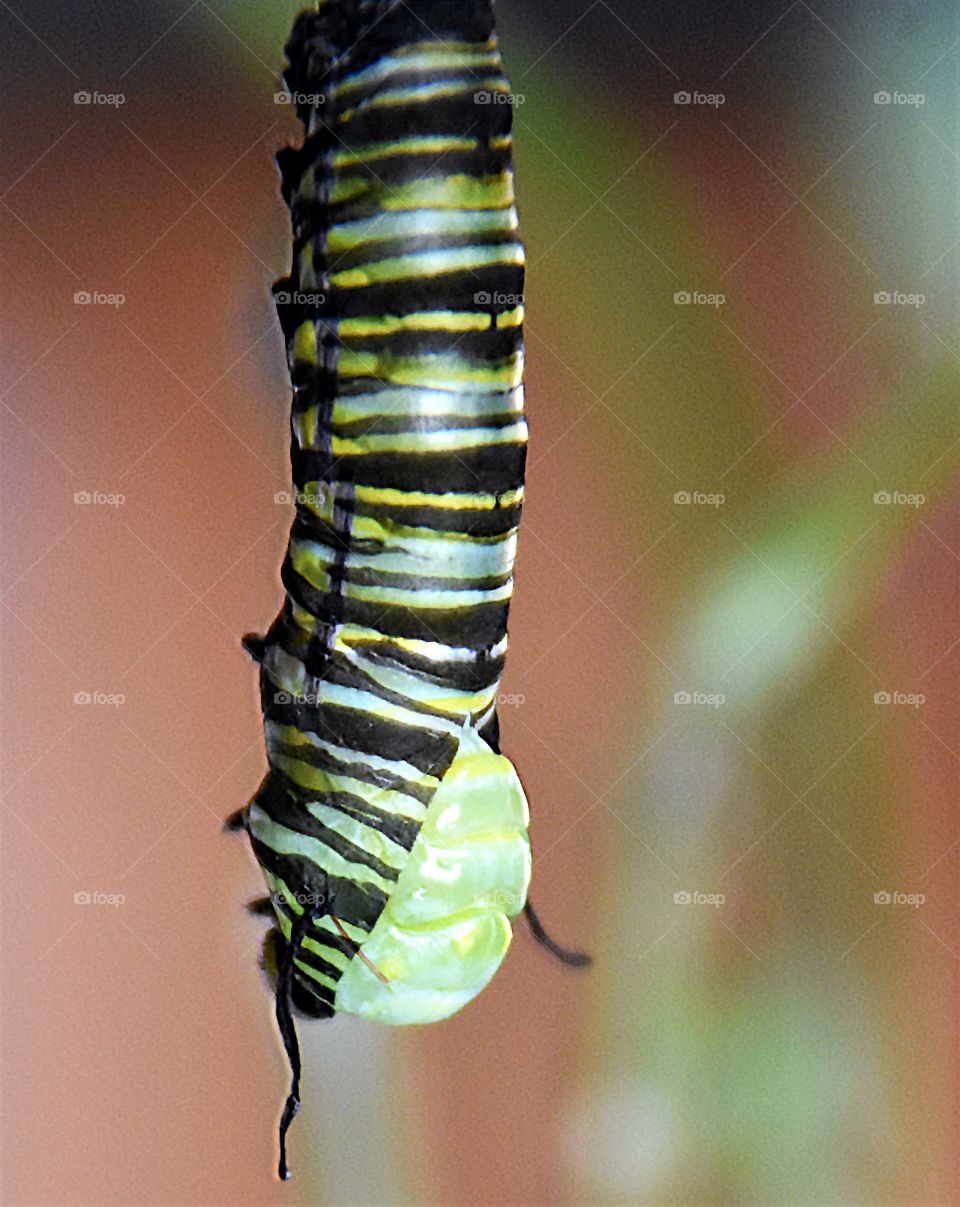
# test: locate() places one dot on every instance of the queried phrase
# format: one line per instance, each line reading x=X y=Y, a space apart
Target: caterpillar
x=391 y=831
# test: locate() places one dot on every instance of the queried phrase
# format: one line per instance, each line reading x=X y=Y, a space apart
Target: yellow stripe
x=313 y=974
x=425 y=92
x=287 y=735
x=427 y=320
x=313 y=779
x=305 y=427
x=429 y=599
x=438 y=372
x=416 y=224
x=356 y=636
x=348 y=188
x=365 y=528
x=284 y=841
x=455 y=438
x=429 y=55
x=423 y=320
x=305 y=343
x=427 y=264
x=447 y=192
x=386 y=496
x=408 y=146
x=394 y=679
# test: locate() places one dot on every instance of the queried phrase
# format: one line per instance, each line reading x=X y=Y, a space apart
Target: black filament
x=575 y=959
x=288 y=1032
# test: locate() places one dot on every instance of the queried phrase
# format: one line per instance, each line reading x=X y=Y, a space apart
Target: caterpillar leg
x=575 y=959
x=236 y=821
x=255 y=645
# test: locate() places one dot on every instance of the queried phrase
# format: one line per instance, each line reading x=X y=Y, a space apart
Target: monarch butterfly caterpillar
x=391 y=832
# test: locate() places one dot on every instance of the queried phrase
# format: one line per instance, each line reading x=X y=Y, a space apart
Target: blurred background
x=734 y=641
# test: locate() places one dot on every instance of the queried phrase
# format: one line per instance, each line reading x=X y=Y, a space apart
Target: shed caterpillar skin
x=391 y=832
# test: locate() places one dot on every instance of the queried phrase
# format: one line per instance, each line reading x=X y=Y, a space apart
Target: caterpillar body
x=391 y=832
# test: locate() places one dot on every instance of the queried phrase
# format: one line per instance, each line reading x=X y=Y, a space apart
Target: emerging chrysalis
x=391 y=832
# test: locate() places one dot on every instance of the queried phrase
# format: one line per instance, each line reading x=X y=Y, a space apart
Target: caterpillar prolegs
x=391 y=832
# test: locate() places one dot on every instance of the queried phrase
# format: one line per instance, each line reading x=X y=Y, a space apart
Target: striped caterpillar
x=391 y=832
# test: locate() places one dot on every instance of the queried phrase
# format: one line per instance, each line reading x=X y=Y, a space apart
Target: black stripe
x=475 y=675
x=402 y=830
x=458 y=117
x=486 y=347
x=422 y=244
x=392 y=425
x=286 y=810
x=453 y=290
x=411 y=77
x=311 y=1000
x=474 y=626
x=351 y=901
x=463 y=676
x=323 y=760
x=371 y=577
x=397 y=171
x=309 y=526
x=314 y=960
x=318 y=936
x=483 y=469
x=343 y=673
x=488 y=522
x=355 y=729
x=491 y=733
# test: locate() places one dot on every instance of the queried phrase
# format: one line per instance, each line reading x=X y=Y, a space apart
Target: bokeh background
x=719 y=790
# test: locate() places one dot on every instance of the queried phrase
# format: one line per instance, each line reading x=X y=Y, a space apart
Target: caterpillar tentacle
x=575 y=959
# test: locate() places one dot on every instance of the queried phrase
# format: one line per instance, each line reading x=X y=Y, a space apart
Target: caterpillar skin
x=391 y=832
